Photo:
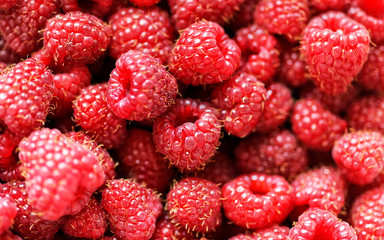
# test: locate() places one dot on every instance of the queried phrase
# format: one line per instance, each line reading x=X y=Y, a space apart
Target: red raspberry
x=276 y=153
x=90 y=222
x=371 y=76
x=8 y=143
x=22 y=25
x=274 y=232
x=195 y=204
x=8 y=235
x=335 y=48
x=27 y=223
x=367 y=215
x=144 y=3
x=204 y=54
x=132 y=209
x=76 y=37
x=360 y=156
x=13 y=172
x=322 y=188
x=140 y=87
x=293 y=68
x=91 y=112
x=321 y=224
x=167 y=230
x=241 y=100
x=286 y=17
x=8 y=4
x=60 y=174
x=99 y=8
x=244 y=15
x=8 y=213
x=326 y=5
x=6 y=53
x=187 y=12
x=316 y=127
x=148 y=30
x=257 y=200
x=138 y=159
x=259 y=50
x=188 y=134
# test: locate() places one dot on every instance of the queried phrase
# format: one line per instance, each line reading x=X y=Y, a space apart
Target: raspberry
x=195 y=204
x=188 y=134
x=259 y=50
x=360 y=156
x=145 y=29
x=287 y=17
x=326 y=5
x=204 y=54
x=8 y=212
x=8 y=235
x=27 y=223
x=367 y=215
x=371 y=76
x=241 y=100
x=60 y=174
x=187 y=12
x=316 y=127
x=257 y=200
x=244 y=15
x=140 y=87
x=138 y=159
x=91 y=112
x=90 y=222
x=76 y=37
x=335 y=48
x=8 y=143
x=8 y=4
x=6 y=53
x=21 y=26
x=132 y=209
x=276 y=153
x=144 y=3
x=274 y=232
x=321 y=224
x=12 y=172
x=99 y=8
x=167 y=230
x=293 y=71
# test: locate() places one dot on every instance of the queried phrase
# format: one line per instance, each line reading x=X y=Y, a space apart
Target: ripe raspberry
x=8 y=212
x=274 y=232
x=140 y=87
x=144 y=3
x=321 y=224
x=335 y=48
x=27 y=223
x=244 y=15
x=138 y=159
x=60 y=174
x=257 y=200
x=76 y=37
x=371 y=76
x=8 y=235
x=293 y=71
x=326 y=5
x=6 y=53
x=287 y=17
x=188 y=134
x=21 y=26
x=360 y=156
x=241 y=100
x=276 y=153
x=90 y=222
x=12 y=172
x=167 y=230
x=367 y=215
x=25 y=95
x=99 y=8
x=259 y=51
x=132 y=209
x=148 y=30
x=204 y=54
x=187 y=12
x=316 y=127
x=8 y=143
x=91 y=112
x=8 y=4
x=195 y=204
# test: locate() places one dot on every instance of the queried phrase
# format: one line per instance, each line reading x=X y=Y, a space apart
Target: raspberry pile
x=192 y=119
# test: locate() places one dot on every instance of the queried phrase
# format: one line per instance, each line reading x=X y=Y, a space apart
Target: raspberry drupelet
x=371 y=76
x=166 y=229
x=144 y=3
x=188 y=135
x=98 y=8
x=8 y=213
x=274 y=232
x=293 y=68
x=326 y=5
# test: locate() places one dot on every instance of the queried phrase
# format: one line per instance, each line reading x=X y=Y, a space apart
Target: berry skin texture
x=326 y=5
x=286 y=17
x=371 y=76
x=148 y=30
x=140 y=88
x=167 y=230
x=241 y=100
x=99 y=8
x=8 y=212
x=76 y=37
x=188 y=134
x=257 y=200
x=292 y=71
x=360 y=156
x=367 y=214
x=8 y=143
x=204 y=54
x=335 y=48
x=274 y=232
x=316 y=127
x=321 y=224
x=144 y=3
x=195 y=204
x=132 y=209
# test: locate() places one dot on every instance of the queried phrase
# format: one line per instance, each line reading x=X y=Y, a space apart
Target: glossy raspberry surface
x=8 y=212
x=275 y=232
x=168 y=230
x=99 y=8
x=371 y=76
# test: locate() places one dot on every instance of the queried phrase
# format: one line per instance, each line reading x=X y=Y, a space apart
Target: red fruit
x=204 y=54
x=99 y=8
x=8 y=143
x=8 y=4
x=132 y=209
x=148 y=30
x=167 y=230
x=13 y=171
x=144 y=3
x=8 y=212
x=372 y=7
x=8 y=235
x=6 y=53
x=195 y=204
x=140 y=87
x=335 y=48
x=326 y=5
x=188 y=134
x=293 y=68
x=257 y=200
x=274 y=232
x=244 y=15
x=371 y=76
x=321 y=224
